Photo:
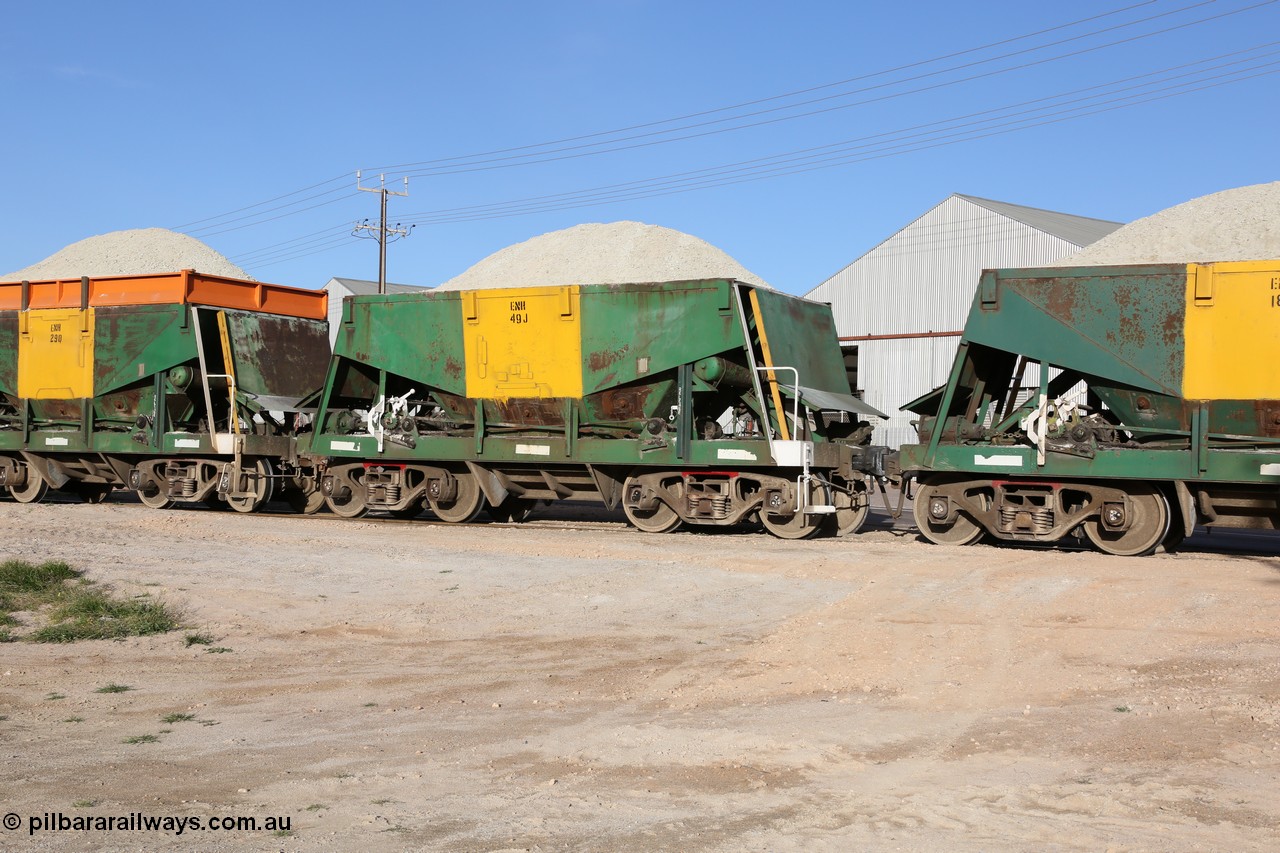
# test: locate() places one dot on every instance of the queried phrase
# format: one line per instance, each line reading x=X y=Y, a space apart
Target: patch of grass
x=19 y=578
x=84 y=804
x=1122 y=709
x=218 y=650
x=315 y=807
x=208 y=722
x=74 y=720
x=92 y=614
x=114 y=688
x=453 y=588
x=53 y=696
x=382 y=802
x=3 y=717
x=369 y=705
x=177 y=718
x=282 y=833
x=142 y=739
x=200 y=638
x=70 y=611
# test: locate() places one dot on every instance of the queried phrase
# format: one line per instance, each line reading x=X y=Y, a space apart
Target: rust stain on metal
x=453 y=368
x=604 y=359
x=1133 y=329
x=1171 y=330
x=282 y=352
x=1268 y=414
x=624 y=404
x=56 y=410
x=121 y=334
x=1062 y=299
x=465 y=407
x=526 y=411
x=126 y=403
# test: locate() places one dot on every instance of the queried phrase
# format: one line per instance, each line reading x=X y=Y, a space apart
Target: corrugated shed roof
x=362 y=287
x=1081 y=230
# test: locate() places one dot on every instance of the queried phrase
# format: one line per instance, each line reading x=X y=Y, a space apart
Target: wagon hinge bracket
x=895 y=514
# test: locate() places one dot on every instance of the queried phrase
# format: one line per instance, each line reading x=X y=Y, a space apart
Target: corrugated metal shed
x=342 y=287
x=903 y=304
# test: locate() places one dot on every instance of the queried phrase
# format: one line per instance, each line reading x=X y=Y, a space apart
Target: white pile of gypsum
x=602 y=253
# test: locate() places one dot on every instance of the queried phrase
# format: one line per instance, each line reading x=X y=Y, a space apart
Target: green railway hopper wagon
x=181 y=386
x=699 y=402
x=1122 y=404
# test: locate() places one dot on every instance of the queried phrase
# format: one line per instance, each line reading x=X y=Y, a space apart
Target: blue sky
x=134 y=115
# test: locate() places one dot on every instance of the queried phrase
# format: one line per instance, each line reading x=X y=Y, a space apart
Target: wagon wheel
x=303 y=494
x=931 y=509
x=349 y=498
x=466 y=503
x=1147 y=528
x=307 y=503
x=154 y=493
x=1174 y=538
x=852 y=509
x=93 y=493
x=33 y=490
x=799 y=525
x=261 y=485
x=660 y=519
x=512 y=510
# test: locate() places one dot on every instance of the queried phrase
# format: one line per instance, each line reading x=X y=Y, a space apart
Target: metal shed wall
x=342 y=287
x=337 y=291
x=919 y=281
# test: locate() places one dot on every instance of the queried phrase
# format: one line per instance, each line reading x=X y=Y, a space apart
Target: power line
x=445 y=214
x=481 y=166
x=875 y=154
x=219 y=221
x=667 y=183
x=258 y=204
x=792 y=94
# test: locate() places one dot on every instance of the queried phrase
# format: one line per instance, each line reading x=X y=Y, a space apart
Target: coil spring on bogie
x=1041 y=519
x=708 y=506
x=390 y=494
x=186 y=487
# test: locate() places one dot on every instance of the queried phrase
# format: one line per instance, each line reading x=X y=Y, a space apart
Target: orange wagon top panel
x=187 y=286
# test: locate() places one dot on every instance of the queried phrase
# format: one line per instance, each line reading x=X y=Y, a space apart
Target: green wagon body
x=1111 y=401
x=163 y=383
x=618 y=393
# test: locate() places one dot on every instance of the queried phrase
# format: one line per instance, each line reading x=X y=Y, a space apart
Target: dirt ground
x=576 y=685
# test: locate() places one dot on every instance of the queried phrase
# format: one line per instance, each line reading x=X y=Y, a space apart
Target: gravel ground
x=571 y=684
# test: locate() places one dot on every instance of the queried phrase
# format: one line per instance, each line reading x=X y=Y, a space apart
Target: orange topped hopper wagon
x=183 y=386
